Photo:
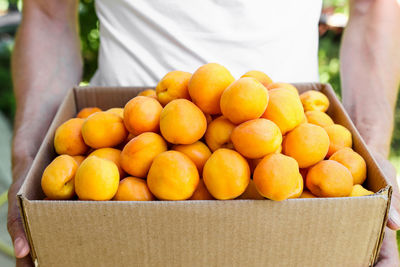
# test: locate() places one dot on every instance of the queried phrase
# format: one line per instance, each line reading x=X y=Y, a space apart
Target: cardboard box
x=295 y=232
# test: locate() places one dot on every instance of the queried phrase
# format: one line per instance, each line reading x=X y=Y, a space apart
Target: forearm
x=46 y=62
x=370 y=68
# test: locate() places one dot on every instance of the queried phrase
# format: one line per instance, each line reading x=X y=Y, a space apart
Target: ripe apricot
x=318 y=118
x=339 y=137
x=329 y=178
x=68 y=138
x=172 y=176
x=218 y=133
x=256 y=138
x=103 y=129
x=182 y=122
x=96 y=179
x=251 y=192
x=260 y=76
x=253 y=164
x=285 y=109
x=352 y=161
x=226 y=174
x=243 y=100
x=307 y=194
x=201 y=192
x=206 y=86
x=359 y=191
x=79 y=159
x=133 y=189
x=117 y=111
x=314 y=100
x=142 y=114
x=277 y=177
x=58 y=178
x=86 y=112
x=172 y=86
x=287 y=86
x=139 y=153
x=112 y=154
x=307 y=144
x=209 y=119
x=149 y=93
x=198 y=152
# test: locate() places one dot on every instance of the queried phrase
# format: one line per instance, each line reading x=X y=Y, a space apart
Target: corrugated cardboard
x=295 y=232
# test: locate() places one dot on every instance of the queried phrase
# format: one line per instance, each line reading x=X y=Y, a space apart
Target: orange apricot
x=133 y=189
x=352 y=161
x=218 y=133
x=172 y=86
x=112 y=154
x=68 y=138
x=198 y=152
x=86 y=112
x=314 y=100
x=318 y=118
x=260 y=76
x=201 y=192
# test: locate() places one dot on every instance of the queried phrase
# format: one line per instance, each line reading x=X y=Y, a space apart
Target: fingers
x=389 y=255
x=24 y=262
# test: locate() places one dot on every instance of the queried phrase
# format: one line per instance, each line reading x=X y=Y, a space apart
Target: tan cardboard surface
x=297 y=232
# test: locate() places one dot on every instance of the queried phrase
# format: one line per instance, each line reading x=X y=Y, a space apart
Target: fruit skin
x=251 y=192
x=172 y=86
x=287 y=86
x=218 y=133
x=172 y=176
x=307 y=194
x=243 y=100
x=207 y=85
x=112 y=154
x=58 y=178
x=256 y=138
x=79 y=159
x=117 y=111
x=138 y=155
x=285 y=109
x=149 y=93
x=226 y=174
x=352 y=161
x=68 y=138
x=86 y=112
x=314 y=100
x=339 y=137
x=277 y=177
x=197 y=152
x=359 y=191
x=329 y=178
x=133 y=189
x=260 y=76
x=104 y=129
x=201 y=192
x=318 y=118
x=142 y=114
x=96 y=179
x=307 y=144
x=182 y=122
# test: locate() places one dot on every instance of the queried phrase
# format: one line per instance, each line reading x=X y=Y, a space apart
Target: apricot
x=207 y=85
x=172 y=176
x=112 y=154
x=68 y=138
x=133 y=189
x=339 y=137
x=117 y=111
x=307 y=194
x=253 y=164
x=329 y=178
x=149 y=93
x=103 y=129
x=198 y=152
x=182 y=122
x=256 y=138
x=172 y=86
x=314 y=100
x=352 y=161
x=86 y=112
x=307 y=144
x=260 y=76
x=285 y=109
x=218 y=133
x=359 y=191
x=142 y=114
x=58 y=178
x=201 y=192
x=96 y=179
x=79 y=159
x=139 y=153
x=226 y=174
x=209 y=119
x=277 y=177
x=251 y=192
x=243 y=100
x=318 y=118
x=287 y=86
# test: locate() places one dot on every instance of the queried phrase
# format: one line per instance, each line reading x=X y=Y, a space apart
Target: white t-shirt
x=142 y=40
